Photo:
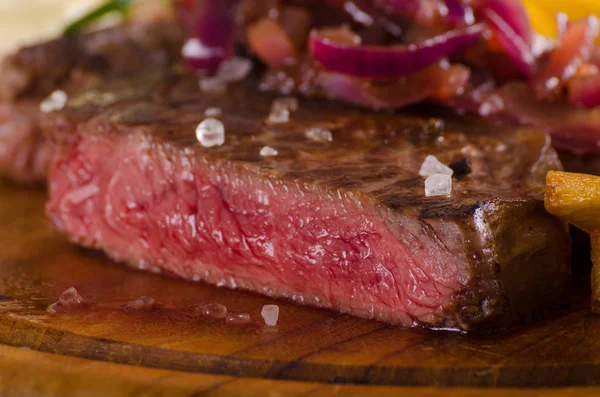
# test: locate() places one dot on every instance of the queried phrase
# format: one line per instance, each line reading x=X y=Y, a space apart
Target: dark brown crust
x=519 y=254
x=70 y=64
x=74 y=62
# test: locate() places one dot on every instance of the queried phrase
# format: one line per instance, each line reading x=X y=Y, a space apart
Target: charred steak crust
x=69 y=63
x=343 y=224
x=77 y=61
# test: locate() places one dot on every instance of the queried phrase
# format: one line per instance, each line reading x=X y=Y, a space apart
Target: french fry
x=595 y=240
x=575 y=198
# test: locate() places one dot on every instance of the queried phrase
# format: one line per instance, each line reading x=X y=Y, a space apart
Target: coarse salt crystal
x=279 y=116
x=270 y=313
x=68 y=300
x=438 y=185
x=281 y=109
x=319 y=134
x=194 y=48
x=56 y=101
x=268 y=151
x=213 y=112
x=211 y=132
x=290 y=103
x=432 y=166
x=234 y=69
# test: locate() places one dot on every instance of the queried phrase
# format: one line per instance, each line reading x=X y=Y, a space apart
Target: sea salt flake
x=234 y=69
x=213 y=112
x=56 y=101
x=268 y=151
x=281 y=109
x=290 y=103
x=438 y=185
x=319 y=134
x=432 y=166
x=211 y=132
x=213 y=85
x=270 y=313
x=279 y=116
x=68 y=300
x=195 y=49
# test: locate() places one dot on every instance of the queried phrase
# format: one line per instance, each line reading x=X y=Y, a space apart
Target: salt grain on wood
x=56 y=101
x=270 y=313
x=211 y=132
x=68 y=300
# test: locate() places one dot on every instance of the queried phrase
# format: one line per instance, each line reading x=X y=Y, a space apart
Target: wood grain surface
x=308 y=345
x=26 y=373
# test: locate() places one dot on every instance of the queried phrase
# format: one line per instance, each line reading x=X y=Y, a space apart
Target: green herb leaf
x=121 y=6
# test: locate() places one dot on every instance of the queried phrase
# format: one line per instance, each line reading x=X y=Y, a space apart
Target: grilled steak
x=340 y=223
x=69 y=63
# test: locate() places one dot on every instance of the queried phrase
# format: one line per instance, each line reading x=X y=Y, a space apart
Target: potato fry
x=575 y=198
x=595 y=240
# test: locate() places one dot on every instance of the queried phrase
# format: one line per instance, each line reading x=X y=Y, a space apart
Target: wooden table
x=173 y=351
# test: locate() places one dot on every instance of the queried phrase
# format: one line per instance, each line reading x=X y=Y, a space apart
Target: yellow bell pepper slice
x=543 y=13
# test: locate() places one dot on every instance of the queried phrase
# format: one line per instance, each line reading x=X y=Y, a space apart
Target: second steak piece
x=69 y=63
x=337 y=221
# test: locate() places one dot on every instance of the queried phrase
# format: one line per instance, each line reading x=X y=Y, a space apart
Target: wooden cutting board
x=308 y=345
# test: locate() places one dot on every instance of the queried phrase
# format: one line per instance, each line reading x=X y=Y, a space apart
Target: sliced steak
x=24 y=153
x=69 y=63
x=341 y=224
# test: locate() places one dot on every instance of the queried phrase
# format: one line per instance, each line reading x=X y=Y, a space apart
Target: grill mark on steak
x=69 y=63
x=343 y=225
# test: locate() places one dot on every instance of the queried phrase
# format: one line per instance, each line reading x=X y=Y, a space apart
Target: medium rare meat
x=334 y=216
x=69 y=63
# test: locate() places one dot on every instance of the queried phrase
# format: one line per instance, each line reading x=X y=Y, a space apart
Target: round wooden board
x=308 y=345
x=35 y=374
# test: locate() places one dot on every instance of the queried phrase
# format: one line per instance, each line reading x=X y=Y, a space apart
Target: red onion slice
x=514 y=44
x=574 y=129
x=513 y=13
x=459 y=13
x=424 y=12
x=575 y=49
x=435 y=82
x=585 y=91
x=209 y=25
x=595 y=57
x=394 y=61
